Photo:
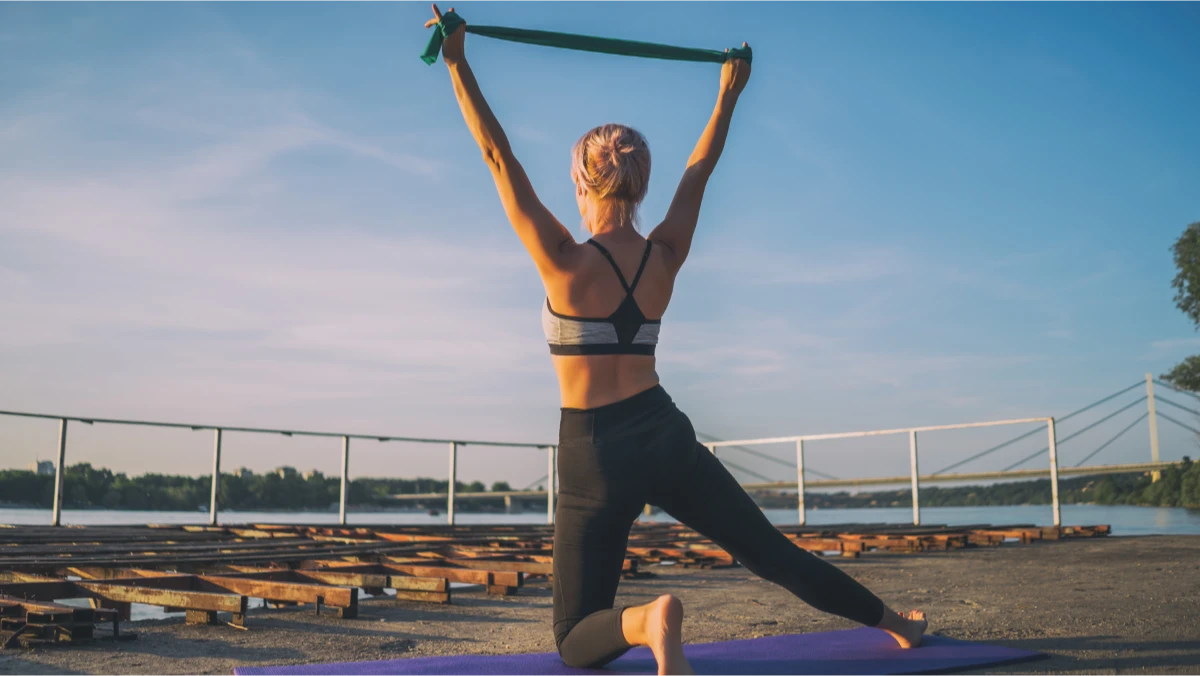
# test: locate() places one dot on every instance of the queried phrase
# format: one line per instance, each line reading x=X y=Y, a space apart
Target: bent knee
x=585 y=649
x=572 y=656
x=574 y=661
x=561 y=631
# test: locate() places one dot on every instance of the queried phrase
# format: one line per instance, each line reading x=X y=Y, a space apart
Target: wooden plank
x=526 y=567
x=424 y=596
x=465 y=575
x=338 y=577
x=271 y=590
x=171 y=598
x=42 y=591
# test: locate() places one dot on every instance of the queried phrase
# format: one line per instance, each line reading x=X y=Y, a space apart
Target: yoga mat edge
x=853 y=651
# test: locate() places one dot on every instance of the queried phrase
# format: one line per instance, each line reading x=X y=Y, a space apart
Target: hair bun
x=613 y=162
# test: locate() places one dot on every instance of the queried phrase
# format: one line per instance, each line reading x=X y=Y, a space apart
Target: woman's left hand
x=735 y=73
x=453 y=49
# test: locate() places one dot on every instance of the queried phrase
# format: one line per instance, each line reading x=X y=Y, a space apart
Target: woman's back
x=591 y=288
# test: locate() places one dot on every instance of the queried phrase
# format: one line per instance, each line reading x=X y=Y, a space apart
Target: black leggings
x=614 y=460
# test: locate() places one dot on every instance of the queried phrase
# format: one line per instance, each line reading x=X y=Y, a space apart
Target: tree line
x=87 y=487
x=1179 y=486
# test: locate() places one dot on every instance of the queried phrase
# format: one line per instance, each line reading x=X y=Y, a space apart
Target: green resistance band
x=586 y=43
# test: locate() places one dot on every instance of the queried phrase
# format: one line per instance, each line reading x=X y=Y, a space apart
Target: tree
x=501 y=486
x=1186 y=374
x=1189 y=490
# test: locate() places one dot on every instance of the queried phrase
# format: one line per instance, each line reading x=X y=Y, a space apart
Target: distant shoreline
x=288 y=491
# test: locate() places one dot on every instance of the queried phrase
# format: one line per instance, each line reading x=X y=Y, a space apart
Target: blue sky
x=272 y=215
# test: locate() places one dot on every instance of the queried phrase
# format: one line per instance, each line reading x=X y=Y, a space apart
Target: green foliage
x=26 y=488
x=1189 y=485
x=1187 y=277
x=285 y=489
x=88 y=487
x=1179 y=486
x=1186 y=374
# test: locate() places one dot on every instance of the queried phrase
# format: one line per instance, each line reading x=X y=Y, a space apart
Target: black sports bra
x=625 y=331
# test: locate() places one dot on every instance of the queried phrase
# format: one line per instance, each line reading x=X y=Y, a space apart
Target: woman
x=622 y=442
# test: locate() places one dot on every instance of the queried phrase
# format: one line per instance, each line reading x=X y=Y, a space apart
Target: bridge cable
x=536 y=482
x=1186 y=427
x=1035 y=431
x=1184 y=408
x=785 y=463
x=1118 y=436
x=1072 y=436
x=1169 y=386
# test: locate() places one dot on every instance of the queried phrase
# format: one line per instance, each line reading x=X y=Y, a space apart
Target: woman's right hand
x=735 y=73
x=453 y=49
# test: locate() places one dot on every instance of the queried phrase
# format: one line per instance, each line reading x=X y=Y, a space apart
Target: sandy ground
x=1100 y=606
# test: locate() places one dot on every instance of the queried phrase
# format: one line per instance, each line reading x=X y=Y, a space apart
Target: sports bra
x=625 y=331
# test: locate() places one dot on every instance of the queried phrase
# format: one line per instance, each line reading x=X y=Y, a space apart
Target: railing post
x=59 y=472
x=800 y=478
x=345 y=493
x=213 y=505
x=1152 y=418
x=916 y=493
x=453 y=480
x=1054 y=471
x=550 y=484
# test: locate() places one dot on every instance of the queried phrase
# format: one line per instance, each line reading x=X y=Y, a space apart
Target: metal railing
x=214 y=504
x=914 y=477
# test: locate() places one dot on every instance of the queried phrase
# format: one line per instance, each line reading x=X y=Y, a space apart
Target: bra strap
x=614 y=265
x=641 y=267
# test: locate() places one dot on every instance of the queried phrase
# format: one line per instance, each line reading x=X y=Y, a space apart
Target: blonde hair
x=612 y=162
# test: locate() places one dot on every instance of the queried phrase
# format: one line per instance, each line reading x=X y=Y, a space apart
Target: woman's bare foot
x=907 y=629
x=658 y=625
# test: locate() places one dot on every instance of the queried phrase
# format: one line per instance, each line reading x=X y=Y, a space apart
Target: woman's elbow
x=701 y=168
x=496 y=159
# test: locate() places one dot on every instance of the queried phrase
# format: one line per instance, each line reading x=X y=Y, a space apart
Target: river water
x=1124 y=520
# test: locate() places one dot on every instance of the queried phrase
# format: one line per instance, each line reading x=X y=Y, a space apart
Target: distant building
x=285 y=472
x=244 y=473
x=42 y=467
x=308 y=476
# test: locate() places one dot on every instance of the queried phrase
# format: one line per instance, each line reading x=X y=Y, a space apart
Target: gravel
x=1097 y=606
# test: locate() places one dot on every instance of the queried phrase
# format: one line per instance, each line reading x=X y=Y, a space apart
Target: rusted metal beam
x=30 y=623
x=171 y=598
x=344 y=599
x=201 y=568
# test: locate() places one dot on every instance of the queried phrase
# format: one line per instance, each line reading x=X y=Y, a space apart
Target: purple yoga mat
x=854 y=651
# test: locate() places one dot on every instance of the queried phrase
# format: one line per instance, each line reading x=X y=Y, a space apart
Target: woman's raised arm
x=676 y=231
x=544 y=237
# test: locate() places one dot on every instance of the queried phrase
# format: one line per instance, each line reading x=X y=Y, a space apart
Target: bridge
x=805 y=477
x=1050 y=451
x=1130 y=468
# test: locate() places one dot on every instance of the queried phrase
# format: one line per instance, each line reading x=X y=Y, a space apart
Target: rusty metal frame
x=205 y=571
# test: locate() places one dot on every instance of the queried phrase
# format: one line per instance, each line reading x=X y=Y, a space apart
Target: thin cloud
x=1171 y=347
x=808 y=268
